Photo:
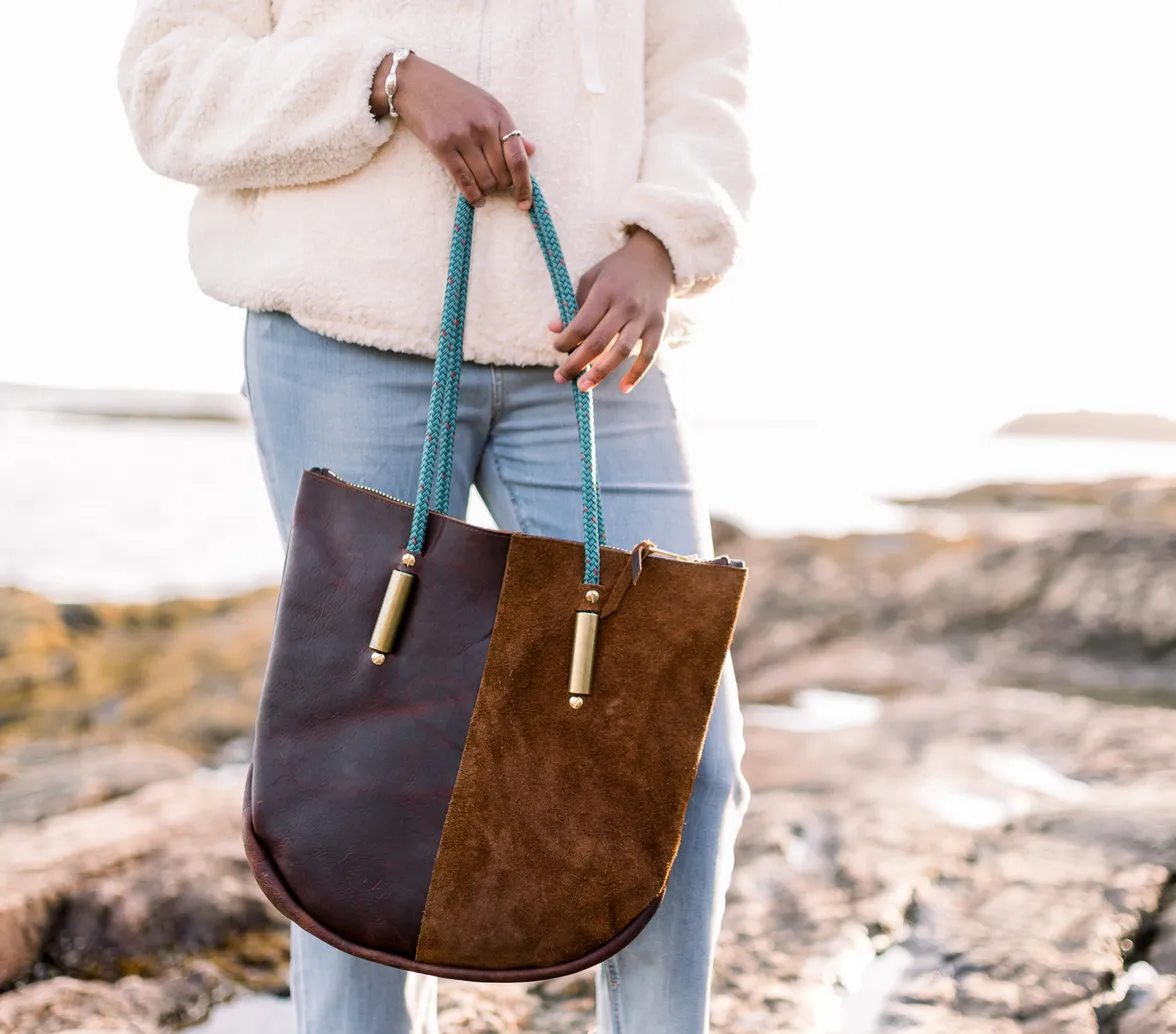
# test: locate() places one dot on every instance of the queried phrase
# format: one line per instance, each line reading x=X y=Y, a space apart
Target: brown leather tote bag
x=474 y=748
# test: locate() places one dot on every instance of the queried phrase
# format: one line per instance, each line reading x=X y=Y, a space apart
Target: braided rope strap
x=441 y=424
x=565 y=296
x=453 y=376
x=446 y=376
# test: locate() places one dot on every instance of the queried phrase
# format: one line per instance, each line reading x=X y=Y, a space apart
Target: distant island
x=125 y=404
x=1145 y=427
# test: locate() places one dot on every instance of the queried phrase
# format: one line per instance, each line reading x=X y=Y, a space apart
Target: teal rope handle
x=441 y=425
x=565 y=296
x=445 y=371
x=453 y=378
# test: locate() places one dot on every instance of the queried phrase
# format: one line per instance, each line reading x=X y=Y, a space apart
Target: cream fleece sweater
x=309 y=205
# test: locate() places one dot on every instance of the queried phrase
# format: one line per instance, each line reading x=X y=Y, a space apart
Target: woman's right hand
x=462 y=125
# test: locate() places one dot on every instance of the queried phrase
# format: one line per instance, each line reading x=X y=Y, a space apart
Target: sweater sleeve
x=216 y=99
x=696 y=180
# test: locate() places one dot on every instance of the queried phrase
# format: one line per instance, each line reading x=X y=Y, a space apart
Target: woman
x=326 y=140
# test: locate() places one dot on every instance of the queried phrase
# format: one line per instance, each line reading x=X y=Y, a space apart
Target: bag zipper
x=325 y=472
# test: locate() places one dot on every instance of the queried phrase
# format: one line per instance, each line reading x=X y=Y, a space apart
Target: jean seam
x=613 y=976
x=265 y=451
x=496 y=402
x=514 y=503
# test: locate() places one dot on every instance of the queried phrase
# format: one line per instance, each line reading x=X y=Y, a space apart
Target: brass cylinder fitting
x=392 y=612
x=583 y=653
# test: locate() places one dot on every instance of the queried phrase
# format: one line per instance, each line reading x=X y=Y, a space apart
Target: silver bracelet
x=398 y=55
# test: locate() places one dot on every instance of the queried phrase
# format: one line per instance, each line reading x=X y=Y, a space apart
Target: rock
x=170 y=904
x=1094 y=610
x=1087 y=424
x=725 y=536
x=575 y=985
x=133 y=1005
x=1148 y=501
x=34 y=650
x=977 y=861
x=1161 y=946
x=1137 y=500
x=186 y=673
x=972 y=859
x=1020 y=511
x=1155 y=1015
x=48 y=779
x=259 y=959
x=156 y=873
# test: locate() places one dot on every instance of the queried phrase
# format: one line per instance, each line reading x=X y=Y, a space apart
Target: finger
x=476 y=161
x=464 y=179
x=493 y=150
x=592 y=312
x=584 y=287
x=650 y=343
x=614 y=355
x=592 y=346
x=515 y=153
x=530 y=147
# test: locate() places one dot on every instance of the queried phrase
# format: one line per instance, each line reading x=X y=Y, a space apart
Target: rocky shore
x=933 y=852
x=977 y=860
x=1089 y=609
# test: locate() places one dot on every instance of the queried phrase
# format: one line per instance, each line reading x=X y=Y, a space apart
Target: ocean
x=96 y=509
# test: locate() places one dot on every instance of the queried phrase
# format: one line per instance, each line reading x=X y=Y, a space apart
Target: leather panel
x=355 y=763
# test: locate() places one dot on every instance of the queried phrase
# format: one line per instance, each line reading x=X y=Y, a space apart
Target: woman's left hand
x=623 y=301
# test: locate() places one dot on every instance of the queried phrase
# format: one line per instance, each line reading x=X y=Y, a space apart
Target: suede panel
x=354 y=763
x=564 y=823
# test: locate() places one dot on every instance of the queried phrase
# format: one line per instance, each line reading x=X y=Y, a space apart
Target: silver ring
x=513 y=132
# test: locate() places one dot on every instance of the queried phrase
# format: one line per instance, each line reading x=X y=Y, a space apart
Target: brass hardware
x=583 y=654
x=408 y=560
x=592 y=596
x=692 y=559
x=575 y=703
x=377 y=657
x=392 y=611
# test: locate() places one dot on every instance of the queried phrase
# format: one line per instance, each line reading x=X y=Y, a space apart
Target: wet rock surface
x=44 y=779
x=976 y=860
x=133 y=1005
x=1092 y=611
x=132 y=886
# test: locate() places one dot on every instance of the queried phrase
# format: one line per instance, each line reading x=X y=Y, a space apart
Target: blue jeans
x=361 y=412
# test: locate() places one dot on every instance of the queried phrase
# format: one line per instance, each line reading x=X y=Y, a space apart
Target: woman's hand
x=623 y=300
x=462 y=125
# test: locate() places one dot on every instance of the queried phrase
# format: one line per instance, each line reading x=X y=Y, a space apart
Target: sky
x=966 y=211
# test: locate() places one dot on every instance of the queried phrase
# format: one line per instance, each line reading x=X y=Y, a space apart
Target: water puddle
x=1029 y=773
x=250 y=1014
x=966 y=809
x=816 y=710
x=862 y=1009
